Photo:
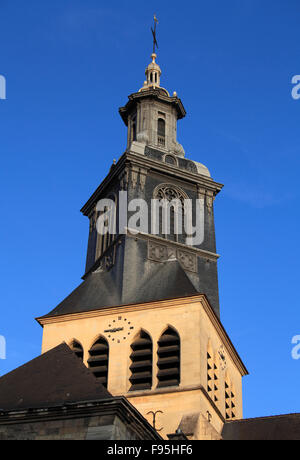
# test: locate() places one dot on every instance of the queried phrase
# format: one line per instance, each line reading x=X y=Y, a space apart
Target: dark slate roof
x=167 y=280
x=52 y=379
x=276 y=428
x=96 y=292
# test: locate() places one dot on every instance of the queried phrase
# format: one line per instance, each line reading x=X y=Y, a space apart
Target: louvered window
x=209 y=372
x=98 y=360
x=77 y=348
x=141 y=363
x=212 y=377
x=230 y=403
x=168 y=359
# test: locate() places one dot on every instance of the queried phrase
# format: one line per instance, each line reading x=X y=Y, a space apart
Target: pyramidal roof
x=168 y=280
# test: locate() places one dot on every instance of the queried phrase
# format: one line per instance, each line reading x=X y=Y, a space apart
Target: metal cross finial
x=154 y=418
x=155 y=44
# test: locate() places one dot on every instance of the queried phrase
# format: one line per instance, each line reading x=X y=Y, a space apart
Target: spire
x=155 y=44
x=153 y=71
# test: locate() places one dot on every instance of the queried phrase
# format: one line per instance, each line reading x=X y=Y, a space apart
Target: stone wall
x=84 y=428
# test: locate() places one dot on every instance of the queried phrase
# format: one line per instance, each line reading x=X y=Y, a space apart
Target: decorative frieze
x=187 y=260
x=160 y=252
x=163 y=252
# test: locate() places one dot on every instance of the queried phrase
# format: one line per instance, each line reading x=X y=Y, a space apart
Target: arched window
x=98 y=360
x=77 y=348
x=161 y=132
x=230 y=402
x=141 y=363
x=172 y=194
x=168 y=359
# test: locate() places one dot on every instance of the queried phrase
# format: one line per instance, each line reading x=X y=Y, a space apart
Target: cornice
x=117 y=406
x=140 y=161
x=152 y=94
x=170 y=303
x=176 y=171
x=199 y=252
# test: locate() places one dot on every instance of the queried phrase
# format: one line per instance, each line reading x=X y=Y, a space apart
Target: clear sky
x=69 y=66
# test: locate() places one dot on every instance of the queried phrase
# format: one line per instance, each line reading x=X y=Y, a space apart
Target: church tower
x=146 y=317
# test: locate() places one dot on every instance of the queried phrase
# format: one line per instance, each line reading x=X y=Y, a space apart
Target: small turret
x=153 y=73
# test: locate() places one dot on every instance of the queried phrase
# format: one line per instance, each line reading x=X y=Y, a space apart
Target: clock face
x=222 y=357
x=119 y=329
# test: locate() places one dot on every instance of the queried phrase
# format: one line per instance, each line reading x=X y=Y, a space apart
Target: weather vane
x=155 y=44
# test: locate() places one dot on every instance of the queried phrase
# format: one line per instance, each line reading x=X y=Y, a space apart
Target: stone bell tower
x=146 y=317
x=153 y=167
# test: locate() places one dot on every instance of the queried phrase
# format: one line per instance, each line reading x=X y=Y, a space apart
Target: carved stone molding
x=209 y=201
x=143 y=177
x=163 y=252
x=187 y=260
x=160 y=252
x=138 y=177
x=169 y=192
x=124 y=179
x=201 y=193
x=134 y=176
x=93 y=220
x=108 y=260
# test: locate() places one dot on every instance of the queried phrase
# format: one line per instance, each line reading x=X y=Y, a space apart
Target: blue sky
x=69 y=65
